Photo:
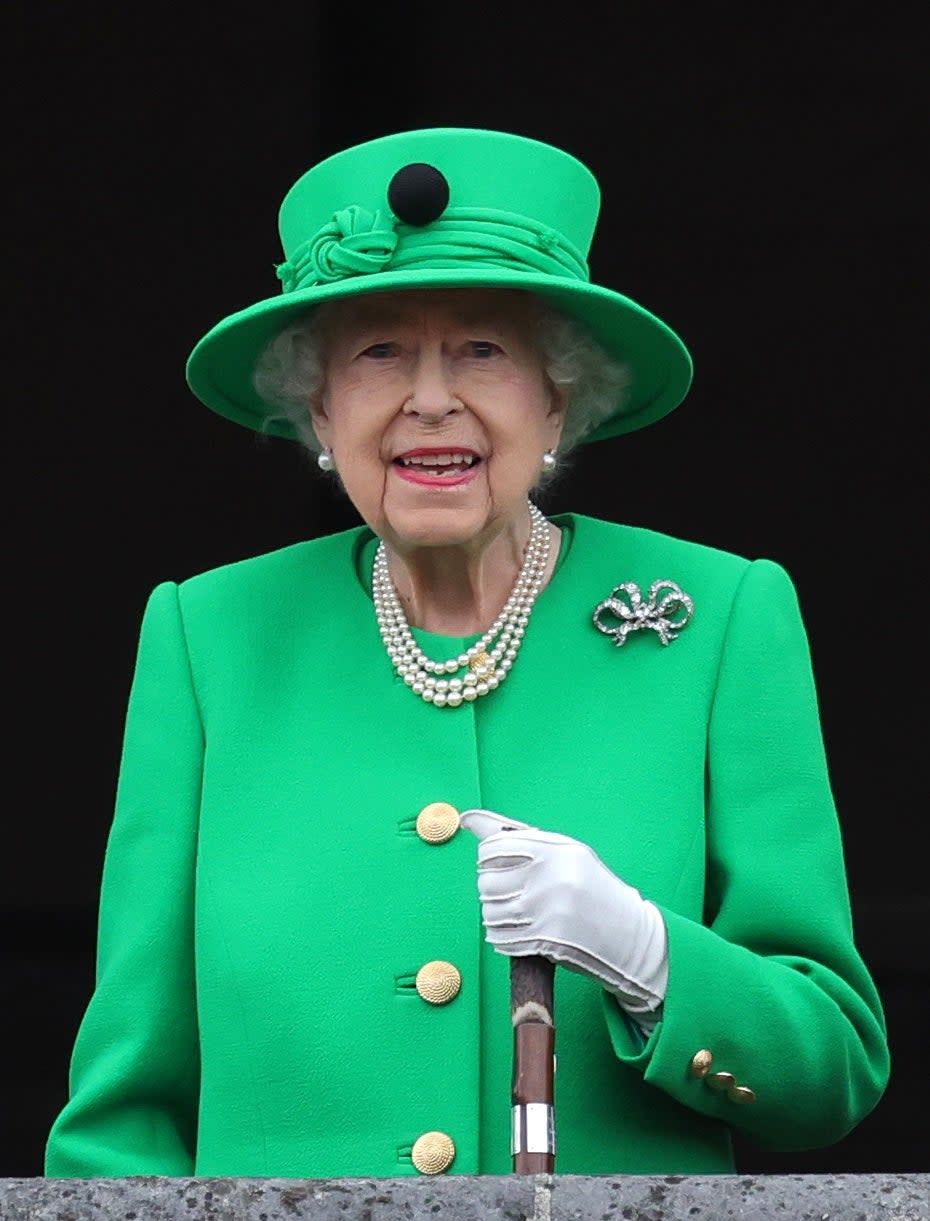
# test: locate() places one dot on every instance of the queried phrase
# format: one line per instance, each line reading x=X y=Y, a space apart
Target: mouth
x=438 y=467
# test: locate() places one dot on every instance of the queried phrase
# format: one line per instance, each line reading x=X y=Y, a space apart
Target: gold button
x=721 y=1081
x=741 y=1093
x=438 y=982
x=437 y=822
x=701 y=1062
x=433 y=1153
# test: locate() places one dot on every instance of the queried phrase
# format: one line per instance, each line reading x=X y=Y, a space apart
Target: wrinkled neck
x=460 y=590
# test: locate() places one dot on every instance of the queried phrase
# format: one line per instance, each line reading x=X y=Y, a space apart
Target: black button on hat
x=418 y=194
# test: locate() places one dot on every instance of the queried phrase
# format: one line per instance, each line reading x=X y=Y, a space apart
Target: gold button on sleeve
x=741 y=1094
x=721 y=1081
x=438 y=982
x=433 y=1153
x=701 y=1062
x=437 y=822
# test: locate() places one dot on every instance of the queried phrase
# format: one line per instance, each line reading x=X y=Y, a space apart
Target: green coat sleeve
x=770 y=982
x=134 y=1080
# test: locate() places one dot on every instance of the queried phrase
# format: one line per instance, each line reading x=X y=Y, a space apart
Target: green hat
x=443 y=207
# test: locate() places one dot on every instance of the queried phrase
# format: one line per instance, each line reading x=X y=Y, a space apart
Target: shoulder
x=281 y=563
x=608 y=553
x=594 y=537
x=277 y=581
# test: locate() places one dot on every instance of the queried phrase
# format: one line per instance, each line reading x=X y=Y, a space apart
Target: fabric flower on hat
x=355 y=242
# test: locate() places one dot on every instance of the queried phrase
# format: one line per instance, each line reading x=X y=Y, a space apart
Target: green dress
x=267 y=901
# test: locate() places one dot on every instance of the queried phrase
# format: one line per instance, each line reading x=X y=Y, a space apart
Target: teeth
x=439 y=460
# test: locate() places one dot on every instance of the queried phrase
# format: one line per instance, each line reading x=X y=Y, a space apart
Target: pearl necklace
x=486 y=663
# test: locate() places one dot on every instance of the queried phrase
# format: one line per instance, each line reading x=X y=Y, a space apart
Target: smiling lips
x=437 y=467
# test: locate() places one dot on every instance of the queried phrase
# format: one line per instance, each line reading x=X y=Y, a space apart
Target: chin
x=442 y=526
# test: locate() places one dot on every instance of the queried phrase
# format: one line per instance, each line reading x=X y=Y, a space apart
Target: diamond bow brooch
x=665 y=616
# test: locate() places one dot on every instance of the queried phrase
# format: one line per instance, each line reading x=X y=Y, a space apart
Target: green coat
x=266 y=900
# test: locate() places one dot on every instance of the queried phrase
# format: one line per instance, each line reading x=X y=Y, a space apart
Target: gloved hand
x=544 y=893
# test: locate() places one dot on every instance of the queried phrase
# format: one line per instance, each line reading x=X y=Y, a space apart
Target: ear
x=316 y=406
x=558 y=405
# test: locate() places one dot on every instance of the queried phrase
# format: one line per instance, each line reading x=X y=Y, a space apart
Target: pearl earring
x=325 y=460
x=549 y=462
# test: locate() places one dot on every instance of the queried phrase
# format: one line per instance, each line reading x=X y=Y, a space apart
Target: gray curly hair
x=290 y=372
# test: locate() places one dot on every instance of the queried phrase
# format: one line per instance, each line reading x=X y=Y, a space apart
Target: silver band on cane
x=532 y=1128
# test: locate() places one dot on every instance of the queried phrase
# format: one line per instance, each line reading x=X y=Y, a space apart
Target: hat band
x=359 y=242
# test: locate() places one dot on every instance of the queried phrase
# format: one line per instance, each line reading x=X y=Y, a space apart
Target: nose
x=432 y=395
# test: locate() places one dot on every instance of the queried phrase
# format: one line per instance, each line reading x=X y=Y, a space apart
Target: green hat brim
x=221 y=367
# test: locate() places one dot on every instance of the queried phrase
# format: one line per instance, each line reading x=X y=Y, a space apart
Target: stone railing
x=852 y=1197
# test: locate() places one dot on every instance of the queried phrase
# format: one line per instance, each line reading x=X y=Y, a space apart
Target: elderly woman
x=297 y=974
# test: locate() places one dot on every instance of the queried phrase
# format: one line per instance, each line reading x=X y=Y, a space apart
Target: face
x=437 y=410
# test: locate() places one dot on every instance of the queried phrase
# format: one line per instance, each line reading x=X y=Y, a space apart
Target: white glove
x=548 y=894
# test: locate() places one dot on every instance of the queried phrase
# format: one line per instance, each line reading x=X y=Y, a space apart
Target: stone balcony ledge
x=843 y=1197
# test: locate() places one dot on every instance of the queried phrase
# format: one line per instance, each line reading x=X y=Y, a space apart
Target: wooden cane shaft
x=531 y=981
x=533 y=1085
x=533 y=1065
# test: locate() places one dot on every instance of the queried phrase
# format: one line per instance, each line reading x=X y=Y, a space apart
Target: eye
x=483 y=348
x=380 y=351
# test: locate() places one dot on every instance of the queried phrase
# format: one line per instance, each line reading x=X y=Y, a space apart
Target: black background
x=761 y=169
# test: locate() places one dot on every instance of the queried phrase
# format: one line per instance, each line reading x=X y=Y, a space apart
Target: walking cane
x=532 y=1093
